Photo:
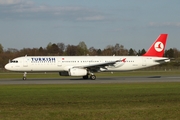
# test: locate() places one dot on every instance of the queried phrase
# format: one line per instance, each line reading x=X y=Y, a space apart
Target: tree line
x=60 y=49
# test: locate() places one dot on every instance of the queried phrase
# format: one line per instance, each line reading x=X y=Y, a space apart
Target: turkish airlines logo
x=159 y=46
x=123 y=60
x=119 y=63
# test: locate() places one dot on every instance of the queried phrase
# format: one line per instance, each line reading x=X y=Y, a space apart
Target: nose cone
x=8 y=67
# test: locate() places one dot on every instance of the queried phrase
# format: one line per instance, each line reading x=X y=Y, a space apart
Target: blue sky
x=132 y=23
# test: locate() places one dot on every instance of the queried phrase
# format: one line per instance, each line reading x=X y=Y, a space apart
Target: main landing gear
x=24 y=76
x=92 y=76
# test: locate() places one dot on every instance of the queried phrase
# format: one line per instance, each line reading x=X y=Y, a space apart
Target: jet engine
x=77 y=72
x=74 y=72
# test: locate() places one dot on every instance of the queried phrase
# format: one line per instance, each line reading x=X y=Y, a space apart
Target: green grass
x=102 y=74
x=135 y=101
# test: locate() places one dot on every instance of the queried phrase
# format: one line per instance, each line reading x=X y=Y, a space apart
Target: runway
x=100 y=80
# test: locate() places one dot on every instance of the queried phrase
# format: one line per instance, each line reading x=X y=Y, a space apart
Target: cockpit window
x=14 y=61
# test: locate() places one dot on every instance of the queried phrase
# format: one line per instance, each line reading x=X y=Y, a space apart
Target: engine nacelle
x=77 y=72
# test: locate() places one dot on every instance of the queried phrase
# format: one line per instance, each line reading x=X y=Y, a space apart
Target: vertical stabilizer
x=158 y=47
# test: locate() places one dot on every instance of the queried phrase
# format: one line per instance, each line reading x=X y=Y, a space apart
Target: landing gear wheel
x=24 y=76
x=93 y=77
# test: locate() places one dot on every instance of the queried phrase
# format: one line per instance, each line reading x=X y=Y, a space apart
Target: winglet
x=158 y=47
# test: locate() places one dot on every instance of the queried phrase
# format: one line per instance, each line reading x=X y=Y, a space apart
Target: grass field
x=134 y=101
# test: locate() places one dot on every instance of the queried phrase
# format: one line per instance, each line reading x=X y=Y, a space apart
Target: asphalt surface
x=101 y=80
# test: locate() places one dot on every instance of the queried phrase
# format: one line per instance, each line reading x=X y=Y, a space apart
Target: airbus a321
x=86 y=66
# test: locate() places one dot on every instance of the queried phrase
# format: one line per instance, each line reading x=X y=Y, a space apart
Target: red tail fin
x=157 y=48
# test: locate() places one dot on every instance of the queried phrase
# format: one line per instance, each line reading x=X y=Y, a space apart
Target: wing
x=96 y=67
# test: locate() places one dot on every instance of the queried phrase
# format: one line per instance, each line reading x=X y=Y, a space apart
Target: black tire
x=85 y=77
x=24 y=78
x=93 y=77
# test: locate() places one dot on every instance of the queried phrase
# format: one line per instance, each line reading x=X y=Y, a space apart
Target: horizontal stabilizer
x=163 y=60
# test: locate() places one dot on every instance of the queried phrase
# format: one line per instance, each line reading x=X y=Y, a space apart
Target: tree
x=25 y=51
x=61 y=47
x=109 y=50
x=169 y=53
x=123 y=51
x=49 y=46
x=1 y=48
x=131 y=52
x=82 y=48
x=41 y=51
x=92 y=51
x=116 y=49
x=176 y=53
x=82 y=45
x=143 y=51
x=52 y=49
x=99 y=52
x=71 y=50
x=12 y=50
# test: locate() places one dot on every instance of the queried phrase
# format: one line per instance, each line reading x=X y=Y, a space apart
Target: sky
x=99 y=23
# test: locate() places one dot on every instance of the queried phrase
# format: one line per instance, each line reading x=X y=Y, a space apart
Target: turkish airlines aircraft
x=85 y=66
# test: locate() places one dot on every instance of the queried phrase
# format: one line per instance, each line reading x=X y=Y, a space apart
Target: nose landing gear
x=24 y=76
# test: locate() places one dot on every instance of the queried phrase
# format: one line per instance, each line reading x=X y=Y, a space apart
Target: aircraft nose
x=7 y=66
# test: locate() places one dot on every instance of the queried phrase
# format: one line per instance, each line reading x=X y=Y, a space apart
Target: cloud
x=91 y=18
x=165 y=24
x=10 y=2
x=26 y=9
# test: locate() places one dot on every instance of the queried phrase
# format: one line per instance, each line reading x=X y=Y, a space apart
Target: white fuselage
x=64 y=63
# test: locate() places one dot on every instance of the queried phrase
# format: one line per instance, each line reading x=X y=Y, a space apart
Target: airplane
x=85 y=66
